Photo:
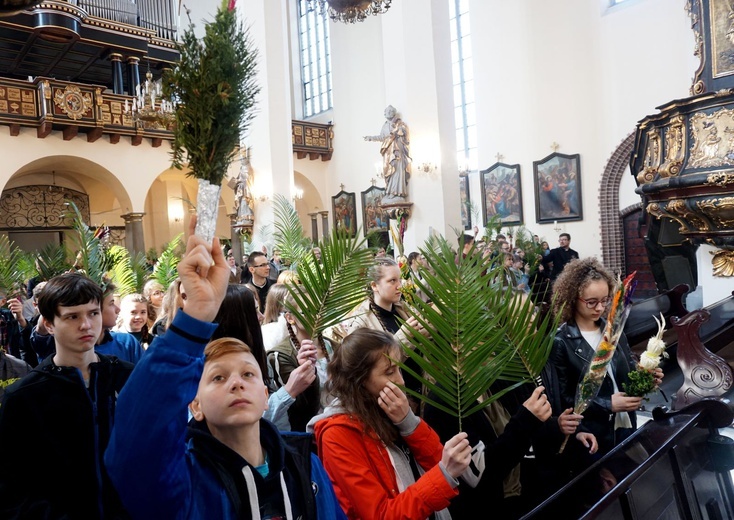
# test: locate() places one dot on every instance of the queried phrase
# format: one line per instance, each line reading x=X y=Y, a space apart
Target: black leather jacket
x=570 y=356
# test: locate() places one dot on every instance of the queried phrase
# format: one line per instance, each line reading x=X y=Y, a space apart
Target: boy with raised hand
x=56 y=421
x=229 y=463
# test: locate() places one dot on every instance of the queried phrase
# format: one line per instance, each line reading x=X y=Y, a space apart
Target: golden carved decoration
x=719 y=210
x=713 y=139
x=723 y=262
x=652 y=157
x=678 y=207
x=675 y=147
x=721 y=179
x=72 y=101
x=658 y=211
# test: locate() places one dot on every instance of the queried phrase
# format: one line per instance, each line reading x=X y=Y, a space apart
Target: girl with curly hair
x=582 y=294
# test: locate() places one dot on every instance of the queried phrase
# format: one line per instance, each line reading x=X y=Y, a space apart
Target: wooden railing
x=676 y=466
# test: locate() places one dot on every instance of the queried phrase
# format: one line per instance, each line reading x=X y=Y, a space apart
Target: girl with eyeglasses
x=581 y=296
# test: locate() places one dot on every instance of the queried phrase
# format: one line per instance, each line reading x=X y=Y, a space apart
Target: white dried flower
x=656 y=346
x=649 y=361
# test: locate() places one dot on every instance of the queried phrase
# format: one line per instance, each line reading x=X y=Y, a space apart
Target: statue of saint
x=396 y=159
x=242 y=197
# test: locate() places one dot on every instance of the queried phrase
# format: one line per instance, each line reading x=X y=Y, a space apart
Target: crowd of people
x=208 y=399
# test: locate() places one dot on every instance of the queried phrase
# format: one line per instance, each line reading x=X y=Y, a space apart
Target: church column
x=270 y=132
x=314 y=227
x=134 y=238
x=236 y=237
x=133 y=74
x=324 y=224
x=116 y=60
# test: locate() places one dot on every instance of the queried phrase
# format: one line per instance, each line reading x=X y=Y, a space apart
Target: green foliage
x=214 y=84
x=90 y=254
x=477 y=332
x=640 y=383
x=11 y=276
x=289 y=235
x=331 y=289
x=53 y=260
x=127 y=272
x=165 y=270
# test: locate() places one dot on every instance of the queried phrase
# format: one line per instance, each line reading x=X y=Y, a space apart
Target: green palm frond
x=289 y=236
x=26 y=265
x=127 y=272
x=476 y=332
x=90 y=253
x=330 y=290
x=11 y=276
x=165 y=270
x=214 y=82
x=53 y=260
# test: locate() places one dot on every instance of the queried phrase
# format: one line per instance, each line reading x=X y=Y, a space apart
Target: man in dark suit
x=556 y=260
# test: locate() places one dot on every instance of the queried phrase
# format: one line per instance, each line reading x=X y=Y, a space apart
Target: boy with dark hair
x=55 y=422
x=229 y=463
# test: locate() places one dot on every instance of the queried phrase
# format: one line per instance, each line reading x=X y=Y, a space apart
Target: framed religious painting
x=465 y=201
x=501 y=193
x=344 y=210
x=557 y=188
x=374 y=218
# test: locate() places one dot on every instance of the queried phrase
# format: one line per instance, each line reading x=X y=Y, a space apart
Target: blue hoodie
x=161 y=469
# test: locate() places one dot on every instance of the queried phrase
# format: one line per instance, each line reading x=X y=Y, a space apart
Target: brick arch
x=612 y=230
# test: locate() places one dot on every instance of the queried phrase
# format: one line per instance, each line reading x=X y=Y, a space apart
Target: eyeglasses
x=261 y=265
x=592 y=304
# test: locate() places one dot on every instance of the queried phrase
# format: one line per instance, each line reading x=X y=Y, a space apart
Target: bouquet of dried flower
x=642 y=381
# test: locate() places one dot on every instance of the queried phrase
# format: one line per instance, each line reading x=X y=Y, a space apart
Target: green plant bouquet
x=214 y=87
x=642 y=380
x=596 y=369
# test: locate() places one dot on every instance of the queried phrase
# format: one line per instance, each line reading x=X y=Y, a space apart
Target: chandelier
x=351 y=11
x=148 y=106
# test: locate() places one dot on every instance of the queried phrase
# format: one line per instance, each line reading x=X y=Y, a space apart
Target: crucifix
x=342 y=187
x=499 y=157
x=555 y=146
x=373 y=181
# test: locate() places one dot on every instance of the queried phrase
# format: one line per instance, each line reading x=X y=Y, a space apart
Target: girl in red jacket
x=384 y=461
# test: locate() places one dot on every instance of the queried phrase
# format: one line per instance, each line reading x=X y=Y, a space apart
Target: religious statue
x=396 y=159
x=242 y=197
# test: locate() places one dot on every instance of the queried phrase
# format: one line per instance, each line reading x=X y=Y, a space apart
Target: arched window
x=313 y=41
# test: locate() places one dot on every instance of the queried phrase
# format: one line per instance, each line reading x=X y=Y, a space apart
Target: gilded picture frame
x=501 y=187
x=557 y=180
x=344 y=211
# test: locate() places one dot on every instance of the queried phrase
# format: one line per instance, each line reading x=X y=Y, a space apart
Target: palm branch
x=330 y=289
x=90 y=256
x=289 y=236
x=165 y=270
x=128 y=273
x=473 y=336
x=52 y=261
x=11 y=276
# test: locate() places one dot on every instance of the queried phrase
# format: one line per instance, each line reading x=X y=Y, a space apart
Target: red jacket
x=364 y=478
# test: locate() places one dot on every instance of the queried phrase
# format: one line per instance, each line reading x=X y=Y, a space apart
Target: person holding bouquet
x=585 y=293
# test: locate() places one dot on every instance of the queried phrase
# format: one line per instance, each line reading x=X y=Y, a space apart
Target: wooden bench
x=641 y=325
x=705 y=339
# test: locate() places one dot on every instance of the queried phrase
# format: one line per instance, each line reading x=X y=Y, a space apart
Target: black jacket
x=559 y=257
x=54 y=432
x=502 y=453
x=570 y=356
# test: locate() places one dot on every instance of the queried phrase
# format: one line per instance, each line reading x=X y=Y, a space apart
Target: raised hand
x=300 y=379
x=569 y=421
x=588 y=440
x=393 y=402
x=538 y=404
x=456 y=454
x=204 y=276
x=621 y=402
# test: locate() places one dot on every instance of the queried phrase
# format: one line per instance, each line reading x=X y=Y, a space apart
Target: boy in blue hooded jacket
x=229 y=462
